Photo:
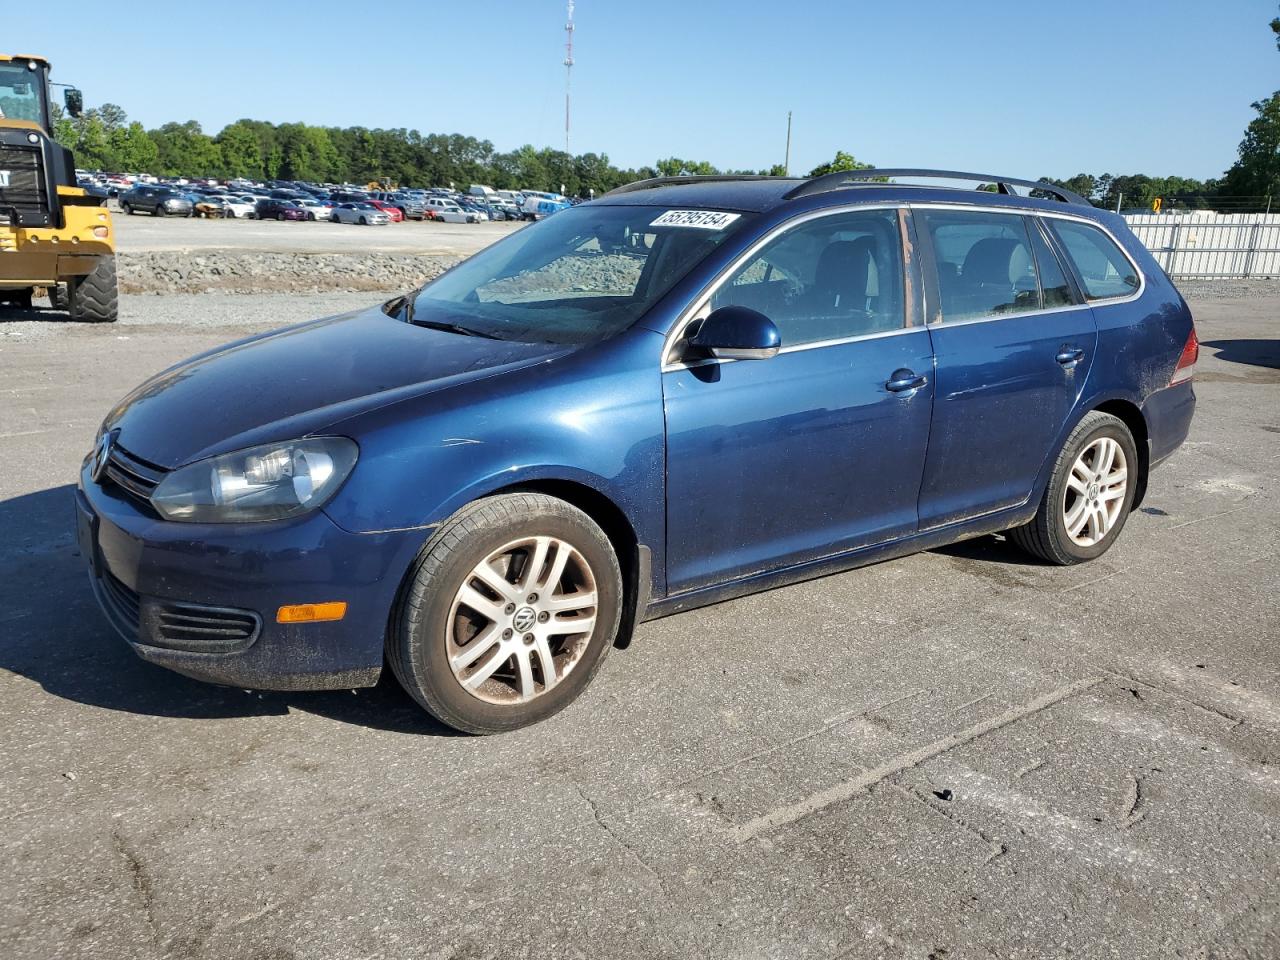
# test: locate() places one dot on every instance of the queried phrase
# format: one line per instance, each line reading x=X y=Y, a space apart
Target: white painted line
x=869 y=778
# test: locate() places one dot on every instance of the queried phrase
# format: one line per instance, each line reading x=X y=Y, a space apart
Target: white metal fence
x=1202 y=245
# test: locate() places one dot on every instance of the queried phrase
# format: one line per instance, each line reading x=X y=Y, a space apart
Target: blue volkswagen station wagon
x=685 y=391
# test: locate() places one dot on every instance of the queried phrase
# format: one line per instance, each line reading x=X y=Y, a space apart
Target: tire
x=58 y=297
x=280 y=217
x=129 y=211
x=93 y=298
x=311 y=217
x=364 y=222
x=1047 y=536
x=157 y=211
x=430 y=614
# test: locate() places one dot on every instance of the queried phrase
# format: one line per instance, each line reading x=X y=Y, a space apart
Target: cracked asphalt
x=958 y=754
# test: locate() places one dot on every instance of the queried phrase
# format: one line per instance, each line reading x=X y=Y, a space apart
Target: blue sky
x=1022 y=88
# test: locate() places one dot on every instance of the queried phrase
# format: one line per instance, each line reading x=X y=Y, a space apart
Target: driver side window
x=828 y=279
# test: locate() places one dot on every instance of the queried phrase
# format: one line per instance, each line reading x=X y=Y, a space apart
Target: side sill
x=852 y=559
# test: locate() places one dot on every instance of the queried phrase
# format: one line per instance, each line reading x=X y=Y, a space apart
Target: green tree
x=842 y=161
x=129 y=149
x=241 y=150
x=675 y=167
x=184 y=150
x=1256 y=175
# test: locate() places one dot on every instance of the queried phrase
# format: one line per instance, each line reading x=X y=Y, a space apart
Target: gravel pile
x=1228 y=289
x=179 y=272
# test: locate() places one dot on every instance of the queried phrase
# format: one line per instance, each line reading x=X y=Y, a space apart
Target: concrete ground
x=144 y=233
x=959 y=754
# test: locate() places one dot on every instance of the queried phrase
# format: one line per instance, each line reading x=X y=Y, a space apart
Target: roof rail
x=655 y=182
x=844 y=178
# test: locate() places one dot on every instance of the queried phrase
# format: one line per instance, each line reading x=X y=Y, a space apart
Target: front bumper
x=221 y=584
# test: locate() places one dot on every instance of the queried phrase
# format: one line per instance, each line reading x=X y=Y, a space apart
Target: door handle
x=904 y=380
x=1070 y=356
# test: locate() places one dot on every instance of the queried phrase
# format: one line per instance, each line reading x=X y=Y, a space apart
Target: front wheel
x=1089 y=495
x=93 y=298
x=507 y=614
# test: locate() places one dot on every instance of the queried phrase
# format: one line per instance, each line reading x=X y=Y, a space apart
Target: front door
x=819 y=449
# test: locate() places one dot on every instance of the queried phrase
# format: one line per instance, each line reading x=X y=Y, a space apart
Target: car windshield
x=584 y=275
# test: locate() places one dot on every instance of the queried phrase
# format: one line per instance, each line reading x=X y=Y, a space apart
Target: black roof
x=757 y=194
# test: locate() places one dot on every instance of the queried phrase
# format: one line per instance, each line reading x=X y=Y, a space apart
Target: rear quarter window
x=1104 y=269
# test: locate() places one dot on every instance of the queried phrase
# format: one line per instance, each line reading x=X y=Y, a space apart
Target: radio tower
x=568 y=73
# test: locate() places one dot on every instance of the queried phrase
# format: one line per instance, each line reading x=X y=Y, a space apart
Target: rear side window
x=985 y=264
x=826 y=279
x=1103 y=267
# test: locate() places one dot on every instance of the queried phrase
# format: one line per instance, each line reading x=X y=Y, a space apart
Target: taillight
x=1186 y=367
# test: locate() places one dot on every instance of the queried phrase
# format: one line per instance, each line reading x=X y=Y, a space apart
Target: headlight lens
x=270 y=482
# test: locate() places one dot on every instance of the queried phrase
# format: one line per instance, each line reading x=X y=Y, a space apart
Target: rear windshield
x=581 y=275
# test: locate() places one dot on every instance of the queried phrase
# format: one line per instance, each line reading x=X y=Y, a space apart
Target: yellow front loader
x=53 y=235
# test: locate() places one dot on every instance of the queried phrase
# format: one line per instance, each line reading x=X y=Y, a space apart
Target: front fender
x=593 y=417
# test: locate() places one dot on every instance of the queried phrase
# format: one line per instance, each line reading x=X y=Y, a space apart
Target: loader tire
x=93 y=298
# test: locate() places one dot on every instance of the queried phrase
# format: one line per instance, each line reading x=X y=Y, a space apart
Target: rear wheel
x=1089 y=495
x=93 y=298
x=507 y=614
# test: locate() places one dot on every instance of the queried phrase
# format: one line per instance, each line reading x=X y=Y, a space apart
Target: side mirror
x=737 y=333
x=74 y=100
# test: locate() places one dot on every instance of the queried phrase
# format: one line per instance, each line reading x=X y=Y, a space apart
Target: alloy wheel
x=1095 y=492
x=521 y=620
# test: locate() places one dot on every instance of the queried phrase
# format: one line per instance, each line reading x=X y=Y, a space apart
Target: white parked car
x=364 y=213
x=245 y=207
x=315 y=209
x=450 y=212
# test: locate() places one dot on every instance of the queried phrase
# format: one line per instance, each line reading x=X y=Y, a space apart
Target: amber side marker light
x=312 y=612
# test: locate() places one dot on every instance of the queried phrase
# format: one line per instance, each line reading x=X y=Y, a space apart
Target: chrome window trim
x=1046 y=214
x=690 y=312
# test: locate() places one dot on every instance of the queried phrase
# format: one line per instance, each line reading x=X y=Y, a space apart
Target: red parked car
x=392 y=212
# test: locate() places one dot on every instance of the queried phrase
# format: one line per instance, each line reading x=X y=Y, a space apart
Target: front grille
x=198 y=629
x=135 y=477
x=26 y=197
x=120 y=603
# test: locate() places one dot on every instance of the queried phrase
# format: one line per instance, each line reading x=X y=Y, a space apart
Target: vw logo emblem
x=524 y=619
x=102 y=455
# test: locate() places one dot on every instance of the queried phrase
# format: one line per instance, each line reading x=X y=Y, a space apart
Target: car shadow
x=991 y=548
x=1258 y=353
x=52 y=633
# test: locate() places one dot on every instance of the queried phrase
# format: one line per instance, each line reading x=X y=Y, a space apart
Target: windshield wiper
x=450 y=327
x=404 y=305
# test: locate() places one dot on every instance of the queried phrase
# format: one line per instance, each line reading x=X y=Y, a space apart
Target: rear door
x=1013 y=343
x=817 y=450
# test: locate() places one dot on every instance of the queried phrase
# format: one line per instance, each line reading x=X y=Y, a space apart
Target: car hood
x=300 y=380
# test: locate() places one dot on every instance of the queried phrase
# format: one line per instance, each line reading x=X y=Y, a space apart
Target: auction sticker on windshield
x=702 y=219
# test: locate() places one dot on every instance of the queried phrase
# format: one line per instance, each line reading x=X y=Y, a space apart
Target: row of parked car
x=283 y=200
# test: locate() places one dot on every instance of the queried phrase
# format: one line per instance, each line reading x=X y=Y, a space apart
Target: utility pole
x=786 y=162
x=568 y=73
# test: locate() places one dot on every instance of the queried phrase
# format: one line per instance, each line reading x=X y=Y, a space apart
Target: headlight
x=270 y=482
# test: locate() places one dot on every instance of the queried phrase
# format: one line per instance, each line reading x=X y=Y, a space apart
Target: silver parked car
x=364 y=213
